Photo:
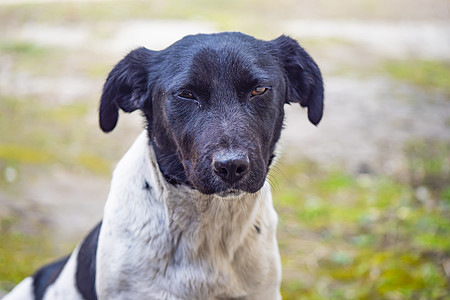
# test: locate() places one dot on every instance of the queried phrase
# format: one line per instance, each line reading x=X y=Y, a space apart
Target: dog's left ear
x=126 y=88
x=305 y=84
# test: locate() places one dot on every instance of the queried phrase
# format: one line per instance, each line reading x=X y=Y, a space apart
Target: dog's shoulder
x=46 y=276
x=86 y=265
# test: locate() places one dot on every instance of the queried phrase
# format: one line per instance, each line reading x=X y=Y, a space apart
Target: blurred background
x=363 y=199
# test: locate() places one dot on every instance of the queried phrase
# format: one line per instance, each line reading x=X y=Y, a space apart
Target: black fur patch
x=46 y=276
x=147 y=186
x=85 y=275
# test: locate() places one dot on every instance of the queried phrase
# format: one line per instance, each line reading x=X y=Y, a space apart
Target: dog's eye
x=259 y=90
x=186 y=95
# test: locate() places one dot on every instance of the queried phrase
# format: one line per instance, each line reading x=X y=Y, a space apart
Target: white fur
x=22 y=291
x=172 y=242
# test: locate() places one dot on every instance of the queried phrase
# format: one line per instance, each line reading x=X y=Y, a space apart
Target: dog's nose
x=231 y=166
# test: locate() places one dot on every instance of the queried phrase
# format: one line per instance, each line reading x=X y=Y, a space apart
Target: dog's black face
x=214 y=105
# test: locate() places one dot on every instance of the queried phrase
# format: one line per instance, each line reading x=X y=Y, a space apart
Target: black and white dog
x=189 y=213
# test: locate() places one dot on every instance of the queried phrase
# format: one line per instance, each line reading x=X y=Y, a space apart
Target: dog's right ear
x=305 y=84
x=126 y=87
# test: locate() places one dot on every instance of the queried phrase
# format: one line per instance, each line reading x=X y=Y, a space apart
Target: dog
x=189 y=213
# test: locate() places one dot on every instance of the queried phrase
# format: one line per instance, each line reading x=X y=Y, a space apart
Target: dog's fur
x=189 y=213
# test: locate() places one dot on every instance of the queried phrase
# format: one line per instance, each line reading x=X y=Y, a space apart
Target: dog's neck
x=197 y=224
x=205 y=224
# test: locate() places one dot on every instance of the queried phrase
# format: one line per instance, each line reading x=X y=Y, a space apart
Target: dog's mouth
x=230 y=193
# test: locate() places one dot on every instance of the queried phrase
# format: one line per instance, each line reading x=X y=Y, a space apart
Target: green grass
x=428 y=74
x=39 y=134
x=428 y=165
x=350 y=237
x=32 y=58
x=21 y=254
x=50 y=61
x=22 y=154
x=19 y=47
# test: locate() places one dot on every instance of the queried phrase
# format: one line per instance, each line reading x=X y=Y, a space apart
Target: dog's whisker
x=273 y=182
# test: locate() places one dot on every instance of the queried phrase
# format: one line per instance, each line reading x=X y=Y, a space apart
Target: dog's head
x=214 y=105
